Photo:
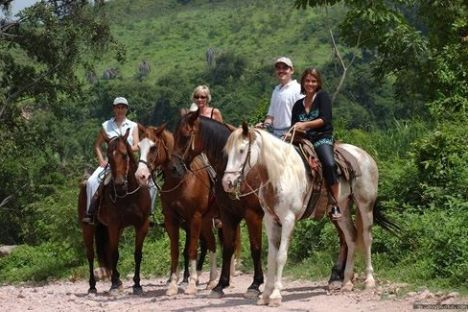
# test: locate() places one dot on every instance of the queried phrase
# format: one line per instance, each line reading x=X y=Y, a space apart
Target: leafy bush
x=441 y=160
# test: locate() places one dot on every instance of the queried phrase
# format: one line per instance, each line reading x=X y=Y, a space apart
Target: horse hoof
x=216 y=294
x=171 y=292
x=263 y=301
x=347 y=287
x=252 y=294
x=116 y=287
x=370 y=284
x=335 y=285
x=211 y=285
x=276 y=302
x=191 y=290
x=138 y=291
x=92 y=291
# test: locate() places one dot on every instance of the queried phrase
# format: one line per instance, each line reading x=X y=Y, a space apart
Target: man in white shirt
x=278 y=120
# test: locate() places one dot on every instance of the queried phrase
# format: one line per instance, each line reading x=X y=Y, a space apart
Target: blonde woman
x=201 y=97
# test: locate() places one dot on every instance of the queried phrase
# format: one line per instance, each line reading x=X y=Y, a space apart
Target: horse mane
x=133 y=158
x=214 y=135
x=168 y=139
x=276 y=156
x=279 y=157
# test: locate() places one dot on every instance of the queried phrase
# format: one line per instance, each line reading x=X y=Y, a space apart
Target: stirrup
x=336 y=213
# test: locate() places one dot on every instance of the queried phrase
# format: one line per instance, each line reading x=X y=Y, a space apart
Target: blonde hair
x=204 y=89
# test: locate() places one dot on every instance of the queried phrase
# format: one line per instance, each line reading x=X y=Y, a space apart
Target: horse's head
x=119 y=154
x=243 y=153
x=155 y=151
x=188 y=142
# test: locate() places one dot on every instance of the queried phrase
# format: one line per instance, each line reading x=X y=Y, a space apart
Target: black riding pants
x=327 y=159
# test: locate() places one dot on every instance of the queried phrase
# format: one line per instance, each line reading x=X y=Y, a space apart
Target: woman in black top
x=313 y=115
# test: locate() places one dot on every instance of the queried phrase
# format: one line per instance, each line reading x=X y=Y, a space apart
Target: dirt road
x=297 y=296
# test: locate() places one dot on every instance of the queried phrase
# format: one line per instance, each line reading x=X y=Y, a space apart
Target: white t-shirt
x=282 y=101
x=112 y=130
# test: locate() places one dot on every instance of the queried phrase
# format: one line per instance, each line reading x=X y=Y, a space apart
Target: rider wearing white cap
x=278 y=119
x=113 y=127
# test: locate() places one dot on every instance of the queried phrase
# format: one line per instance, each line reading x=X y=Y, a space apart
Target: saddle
x=318 y=197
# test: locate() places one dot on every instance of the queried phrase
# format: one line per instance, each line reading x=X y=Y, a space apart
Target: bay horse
x=122 y=203
x=283 y=190
x=195 y=134
x=186 y=202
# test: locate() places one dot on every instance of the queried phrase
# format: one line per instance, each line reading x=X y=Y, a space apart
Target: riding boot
x=90 y=214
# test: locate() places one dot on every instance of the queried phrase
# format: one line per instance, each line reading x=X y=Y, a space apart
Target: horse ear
x=126 y=134
x=192 y=116
x=141 y=130
x=161 y=128
x=183 y=112
x=230 y=127
x=245 y=129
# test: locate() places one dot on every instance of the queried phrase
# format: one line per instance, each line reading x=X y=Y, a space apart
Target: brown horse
x=122 y=203
x=195 y=135
x=186 y=200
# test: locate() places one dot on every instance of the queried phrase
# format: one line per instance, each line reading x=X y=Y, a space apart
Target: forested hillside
x=402 y=97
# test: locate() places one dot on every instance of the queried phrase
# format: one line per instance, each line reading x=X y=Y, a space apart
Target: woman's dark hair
x=314 y=72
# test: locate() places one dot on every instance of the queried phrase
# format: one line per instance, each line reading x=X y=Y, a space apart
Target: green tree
x=422 y=43
x=41 y=101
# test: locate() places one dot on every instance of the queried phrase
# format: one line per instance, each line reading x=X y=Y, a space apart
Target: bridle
x=180 y=158
x=241 y=172
x=116 y=194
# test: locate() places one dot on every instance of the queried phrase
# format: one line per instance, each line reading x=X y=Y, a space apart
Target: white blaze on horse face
x=143 y=173
x=237 y=157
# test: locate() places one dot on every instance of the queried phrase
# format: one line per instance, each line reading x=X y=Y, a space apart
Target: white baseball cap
x=120 y=100
x=284 y=60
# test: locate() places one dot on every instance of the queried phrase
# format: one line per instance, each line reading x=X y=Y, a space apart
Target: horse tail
x=102 y=242
x=384 y=221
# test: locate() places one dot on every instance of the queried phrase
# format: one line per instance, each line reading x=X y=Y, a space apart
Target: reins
x=116 y=195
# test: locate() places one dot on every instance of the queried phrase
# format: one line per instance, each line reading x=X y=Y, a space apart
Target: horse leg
x=140 y=234
x=336 y=277
x=229 y=227
x=208 y=242
x=172 y=228
x=253 y=220
x=349 y=231
x=273 y=231
x=195 y=228
x=114 y=237
x=236 y=256
x=186 y=274
x=202 y=254
x=281 y=258
x=364 y=222
x=88 y=237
